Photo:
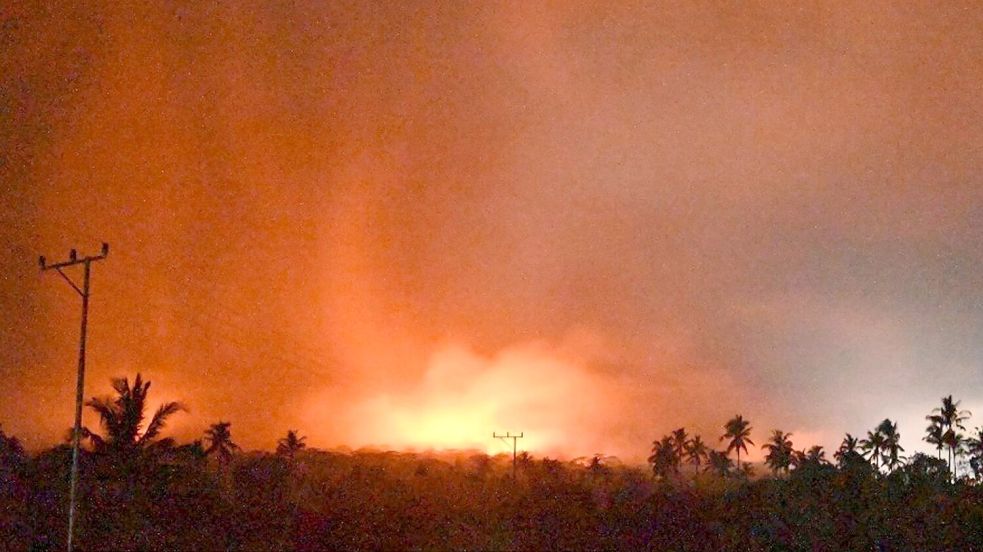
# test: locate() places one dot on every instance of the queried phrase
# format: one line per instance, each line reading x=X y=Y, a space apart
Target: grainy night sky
x=414 y=224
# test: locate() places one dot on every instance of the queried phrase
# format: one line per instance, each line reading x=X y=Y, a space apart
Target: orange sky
x=591 y=223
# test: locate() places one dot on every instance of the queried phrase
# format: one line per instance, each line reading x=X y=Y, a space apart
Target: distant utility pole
x=80 y=384
x=514 y=438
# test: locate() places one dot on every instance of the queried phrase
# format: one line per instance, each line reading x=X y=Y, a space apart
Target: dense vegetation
x=139 y=492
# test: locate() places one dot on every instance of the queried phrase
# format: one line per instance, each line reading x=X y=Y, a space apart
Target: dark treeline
x=139 y=491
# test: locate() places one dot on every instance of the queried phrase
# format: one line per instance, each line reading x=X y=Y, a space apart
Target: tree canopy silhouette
x=951 y=419
x=392 y=500
x=719 y=463
x=848 y=453
x=122 y=418
x=738 y=432
x=974 y=448
x=219 y=438
x=892 y=448
x=290 y=445
x=664 y=459
x=779 y=448
x=935 y=433
x=873 y=447
x=679 y=440
x=696 y=452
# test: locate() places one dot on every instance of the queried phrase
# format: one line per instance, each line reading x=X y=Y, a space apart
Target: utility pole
x=514 y=438
x=73 y=260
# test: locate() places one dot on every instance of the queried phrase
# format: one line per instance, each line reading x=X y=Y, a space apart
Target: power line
x=80 y=382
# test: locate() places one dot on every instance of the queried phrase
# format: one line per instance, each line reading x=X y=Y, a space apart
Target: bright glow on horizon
x=463 y=398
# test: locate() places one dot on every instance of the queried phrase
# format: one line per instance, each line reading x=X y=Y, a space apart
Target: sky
x=411 y=225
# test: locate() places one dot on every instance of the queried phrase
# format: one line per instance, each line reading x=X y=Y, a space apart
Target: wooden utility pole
x=80 y=382
x=514 y=438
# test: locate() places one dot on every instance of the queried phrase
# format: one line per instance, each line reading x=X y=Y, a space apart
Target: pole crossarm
x=73 y=259
x=64 y=264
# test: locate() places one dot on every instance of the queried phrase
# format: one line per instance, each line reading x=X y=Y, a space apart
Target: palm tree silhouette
x=935 y=433
x=664 y=460
x=816 y=455
x=892 y=447
x=848 y=445
x=679 y=440
x=738 y=430
x=696 y=452
x=122 y=417
x=873 y=447
x=974 y=448
x=719 y=463
x=219 y=438
x=847 y=451
x=779 y=449
x=951 y=419
x=290 y=445
x=954 y=440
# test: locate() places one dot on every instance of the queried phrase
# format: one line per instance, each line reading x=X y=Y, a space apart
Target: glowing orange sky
x=642 y=216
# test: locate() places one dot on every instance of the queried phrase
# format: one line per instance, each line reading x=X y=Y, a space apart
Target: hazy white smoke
x=557 y=401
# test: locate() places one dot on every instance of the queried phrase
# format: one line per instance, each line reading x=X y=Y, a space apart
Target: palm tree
x=219 y=438
x=696 y=452
x=848 y=445
x=679 y=440
x=816 y=455
x=955 y=441
x=122 y=419
x=934 y=433
x=738 y=430
x=847 y=452
x=779 y=449
x=974 y=448
x=719 y=463
x=290 y=445
x=873 y=447
x=951 y=419
x=664 y=459
x=892 y=447
x=798 y=459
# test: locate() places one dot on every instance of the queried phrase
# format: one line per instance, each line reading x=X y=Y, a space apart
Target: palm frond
x=109 y=415
x=122 y=385
x=98 y=443
x=160 y=419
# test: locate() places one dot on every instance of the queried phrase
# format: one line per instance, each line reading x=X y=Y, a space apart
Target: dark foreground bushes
x=176 y=499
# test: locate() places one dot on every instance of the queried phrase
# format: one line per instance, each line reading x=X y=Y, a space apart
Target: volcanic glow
x=464 y=397
x=377 y=223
